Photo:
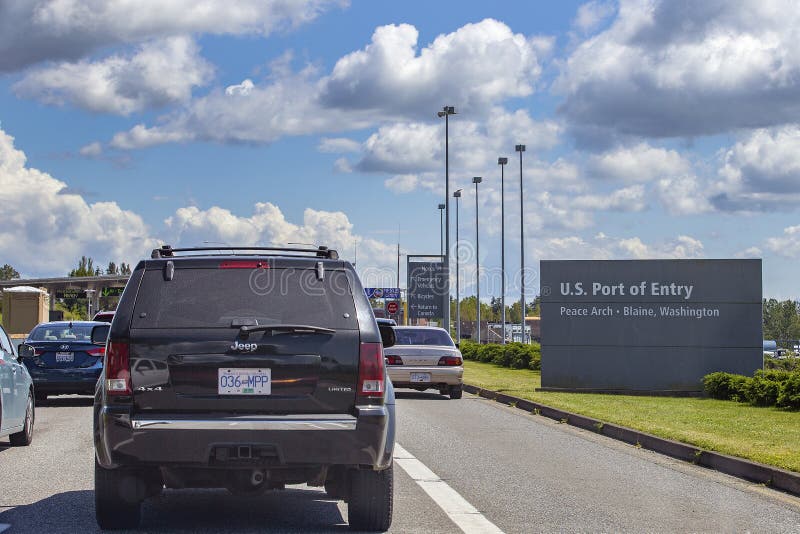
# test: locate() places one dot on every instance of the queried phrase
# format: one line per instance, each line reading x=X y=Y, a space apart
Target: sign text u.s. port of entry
x=648 y=325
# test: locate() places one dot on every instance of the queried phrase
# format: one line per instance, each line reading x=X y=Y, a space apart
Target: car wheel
x=115 y=503
x=455 y=392
x=371 y=500
x=25 y=436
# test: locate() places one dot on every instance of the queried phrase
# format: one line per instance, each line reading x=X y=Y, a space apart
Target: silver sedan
x=423 y=358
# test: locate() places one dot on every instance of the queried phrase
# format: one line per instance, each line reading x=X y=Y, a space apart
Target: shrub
x=469 y=350
x=495 y=354
x=789 y=394
x=765 y=386
x=787 y=364
x=513 y=355
x=739 y=386
x=718 y=385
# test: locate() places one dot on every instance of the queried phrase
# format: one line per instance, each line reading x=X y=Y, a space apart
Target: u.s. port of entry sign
x=648 y=325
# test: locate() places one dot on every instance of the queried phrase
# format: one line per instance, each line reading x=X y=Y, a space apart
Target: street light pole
x=476 y=181
x=457 y=196
x=446 y=112
x=441 y=228
x=521 y=149
x=502 y=162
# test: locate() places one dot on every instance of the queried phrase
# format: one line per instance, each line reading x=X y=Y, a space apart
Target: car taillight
x=118 y=374
x=450 y=360
x=370 y=370
x=98 y=352
x=394 y=360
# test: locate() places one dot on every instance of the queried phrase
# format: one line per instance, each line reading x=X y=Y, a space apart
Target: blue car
x=16 y=396
x=63 y=359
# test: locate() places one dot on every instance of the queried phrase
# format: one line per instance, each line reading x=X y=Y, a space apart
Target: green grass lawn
x=766 y=435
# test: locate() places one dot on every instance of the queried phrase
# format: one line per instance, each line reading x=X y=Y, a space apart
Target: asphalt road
x=524 y=473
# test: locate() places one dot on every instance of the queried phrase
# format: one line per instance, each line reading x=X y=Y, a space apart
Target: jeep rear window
x=213 y=298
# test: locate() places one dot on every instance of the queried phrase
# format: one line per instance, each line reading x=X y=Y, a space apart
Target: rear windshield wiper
x=285 y=329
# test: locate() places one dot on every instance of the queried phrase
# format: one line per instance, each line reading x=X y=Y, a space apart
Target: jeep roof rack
x=166 y=251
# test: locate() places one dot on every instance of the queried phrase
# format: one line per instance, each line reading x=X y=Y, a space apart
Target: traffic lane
x=527 y=473
x=49 y=487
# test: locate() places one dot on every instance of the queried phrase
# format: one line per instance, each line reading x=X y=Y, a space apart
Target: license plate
x=65 y=356
x=235 y=381
x=420 y=377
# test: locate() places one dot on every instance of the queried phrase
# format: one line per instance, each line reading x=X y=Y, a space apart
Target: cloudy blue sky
x=653 y=129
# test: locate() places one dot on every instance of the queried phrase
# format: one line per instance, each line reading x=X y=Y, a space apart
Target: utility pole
x=502 y=162
x=446 y=112
x=521 y=149
x=476 y=180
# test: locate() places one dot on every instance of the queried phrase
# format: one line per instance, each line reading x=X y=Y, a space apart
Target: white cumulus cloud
x=32 y=31
x=680 y=68
x=761 y=172
x=46 y=229
x=159 y=73
x=640 y=163
x=476 y=65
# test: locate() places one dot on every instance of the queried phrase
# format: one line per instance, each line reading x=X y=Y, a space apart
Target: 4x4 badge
x=244 y=347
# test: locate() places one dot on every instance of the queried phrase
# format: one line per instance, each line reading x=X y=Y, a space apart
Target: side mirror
x=26 y=351
x=388 y=337
x=100 y=334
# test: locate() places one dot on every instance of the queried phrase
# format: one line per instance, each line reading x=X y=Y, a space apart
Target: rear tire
x=371 y=500
x=116 y=505
x=24 y=437
x=455 y=392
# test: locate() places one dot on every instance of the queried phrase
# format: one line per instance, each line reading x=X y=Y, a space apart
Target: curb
x=772 y=477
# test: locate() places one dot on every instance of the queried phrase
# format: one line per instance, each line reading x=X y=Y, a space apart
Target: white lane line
x=460 y=512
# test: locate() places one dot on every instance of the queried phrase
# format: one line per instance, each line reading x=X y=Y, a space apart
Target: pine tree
x=7 y=272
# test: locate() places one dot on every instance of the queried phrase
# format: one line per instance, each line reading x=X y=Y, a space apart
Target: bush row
x=771 y=387
x=787 y=364
x=513 y=355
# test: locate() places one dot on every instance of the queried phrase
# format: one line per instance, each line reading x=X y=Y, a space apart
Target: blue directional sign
x=382 y=292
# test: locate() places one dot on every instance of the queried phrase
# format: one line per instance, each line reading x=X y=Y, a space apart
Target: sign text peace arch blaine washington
x=648 y=325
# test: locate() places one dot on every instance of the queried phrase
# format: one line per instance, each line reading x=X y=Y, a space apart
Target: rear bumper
x=180 y=441
x=401 y=375
x=65 y=380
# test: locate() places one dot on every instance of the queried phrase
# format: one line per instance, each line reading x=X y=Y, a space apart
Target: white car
x=16 y=395
x=425 y=357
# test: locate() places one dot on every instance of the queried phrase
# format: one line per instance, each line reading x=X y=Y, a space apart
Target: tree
x=124 y=269
x=7 y=272
x=85 y=267
x=781 y=320
x=112 y=268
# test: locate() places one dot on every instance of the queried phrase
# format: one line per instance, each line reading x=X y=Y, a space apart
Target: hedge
x=787 y=364
x=771 y=387
x=513 y=355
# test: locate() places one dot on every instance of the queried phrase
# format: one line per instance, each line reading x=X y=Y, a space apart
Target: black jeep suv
x=246 y=370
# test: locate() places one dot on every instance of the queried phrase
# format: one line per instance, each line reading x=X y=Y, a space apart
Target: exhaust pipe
x=257 y=477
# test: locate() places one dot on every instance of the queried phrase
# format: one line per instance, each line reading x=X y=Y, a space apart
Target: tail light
x=98 y=352
x=371 y=370
x=118 y=374
x=394 y=360
x=450 y=360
